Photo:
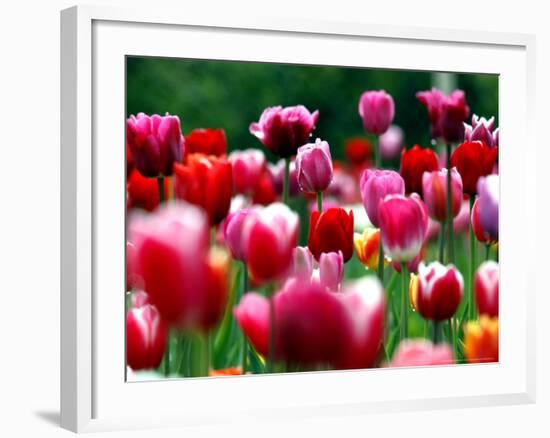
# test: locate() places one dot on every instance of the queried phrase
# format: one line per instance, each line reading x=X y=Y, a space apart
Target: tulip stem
x=167 y=355
x=405 y=301
x=245 y=344
x=271 y=347
x=453 y=336
x=487 y=252
x=381 y=262
x=450 y=248
x=436 y=332
x=320 y=202
x=471 y=308
x=160 y=183
x=286 y=181
x=377 y=155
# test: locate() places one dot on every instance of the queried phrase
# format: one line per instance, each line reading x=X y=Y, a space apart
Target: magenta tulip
x=156 y=143
x=488 y=189
x=404 y=224
x=248 y=167
x=145 y=337
x=434 y=188
x=375 y=185
x=284 y=130
x=232 y=228
x=314 y=166
x=331 y=270
x=440 y=290
x=377 y=110
x=420 y=352
x=252 y=315
x=486 y=288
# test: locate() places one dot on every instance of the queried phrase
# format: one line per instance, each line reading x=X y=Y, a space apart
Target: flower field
x=315 y=241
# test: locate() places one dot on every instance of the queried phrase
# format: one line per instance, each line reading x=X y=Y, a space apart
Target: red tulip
x=252 y=315
x=440 y=289
x=129 y=160
x=269 y=236
x=155 y=143
x=145 y=337
x=420 y=352
x=473 y=159
x=248 y=168
x=331 y=231
x=206 y=141
x=216 y=289
x=414 y=162
x=486 y=288
x=481 y=234
x=264 y=191
x=143 y=192
x=358 y=151
x=434 y=186
x=205 y=181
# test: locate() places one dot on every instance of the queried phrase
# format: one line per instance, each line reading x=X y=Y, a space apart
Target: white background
x=29 y=239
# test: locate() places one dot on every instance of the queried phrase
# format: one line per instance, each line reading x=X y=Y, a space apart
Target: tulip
x=206 y=141
x=232 y=232
x=412 y=266
x=314 y=166
x=473 y=160
x=155 y=143
x=331 y=270
x=216 y=289
x=139 y=298
x=358 y=151
x=481 y=129
x=248 y=167
x=488 y=188
x=403 y=224
x=486 y=288
x=440 y=290
x=331 y=231
x=284 y=130
x=269 y=236
x=252 y=316
x=145 y=337
x=434 y=187
x=133 y=279
x=375 y=185
x=391 y=142
x=143 y=192
x=264 y=191
x=205 y=181
x=481 y=234
x=277 y=175
x=461 y=222
x=377 y=110
x=446 y=113
x=481 y=340
x=414 y=162
x=420 y=352
x=129 y=160
x=367 y=246
x=302 y=263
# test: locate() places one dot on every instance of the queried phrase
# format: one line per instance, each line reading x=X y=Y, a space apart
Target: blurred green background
x=231 y=95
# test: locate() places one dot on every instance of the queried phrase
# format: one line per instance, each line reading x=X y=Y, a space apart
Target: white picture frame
x=94 y=42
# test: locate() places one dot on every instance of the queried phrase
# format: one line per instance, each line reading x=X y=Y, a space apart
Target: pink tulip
x=440 y=290
x=488 y=189
x=314 y=166
x=139 y=298
x=252 y=315
x=248 y=166
x=284 y=130
x=375 y=185
x=434 y=188
x=486 y=288
x=331 y=270
x=461 y=222
x=404 y=224
x=483 y=130
x=391 y=142
x=232 y=228
x=156 y=143
x=269 y=237
x=377 y=110
x=481 y=234
x=145 y=337
x=302 y=263
x=420 y=352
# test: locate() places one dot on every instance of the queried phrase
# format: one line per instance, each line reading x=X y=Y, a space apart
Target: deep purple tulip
x=488 y=190
x=314 y=166
x=375 y=185
x=377 y=110
x=483 y=130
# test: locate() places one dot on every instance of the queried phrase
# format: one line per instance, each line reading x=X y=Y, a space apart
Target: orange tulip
x=481 y=340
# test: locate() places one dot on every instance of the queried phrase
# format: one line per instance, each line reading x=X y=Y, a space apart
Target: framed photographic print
x=258 y=208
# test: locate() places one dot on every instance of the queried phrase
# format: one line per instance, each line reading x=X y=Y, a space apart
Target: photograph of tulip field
x=295 y=218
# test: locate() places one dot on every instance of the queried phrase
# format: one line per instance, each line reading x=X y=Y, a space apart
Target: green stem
x=404 y=302
x=271 y=347
x=320 y=202
x=436 y=332
x=377 y=155
x=245 y=343
x=442 y=227
x=207 y=353
x=450 y=243
x=167 y=355
x=472 y=264
x=286 y=181
x=381 y=262
x=453 y=336
x=487 y=252
x=160 y=183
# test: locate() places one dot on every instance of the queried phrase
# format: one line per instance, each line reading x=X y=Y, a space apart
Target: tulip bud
x=434 y=188
x=481 y=340
x=331 y=231
x=488 y=188
x=486 y=288
x=156 y=143
x=391 y=142
x=145 y=337
x=440 y=289
x=403 y=224
x=420 y=352
x=302 y=263
x=232 y=232
x=473 y=160
x=284 y=130
x=206 y=141
x=377 y=110
x=331 y=270
x=367 y=247
x=414 y=162
x=314 y=166
x=248 y=167
x=375 y=186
